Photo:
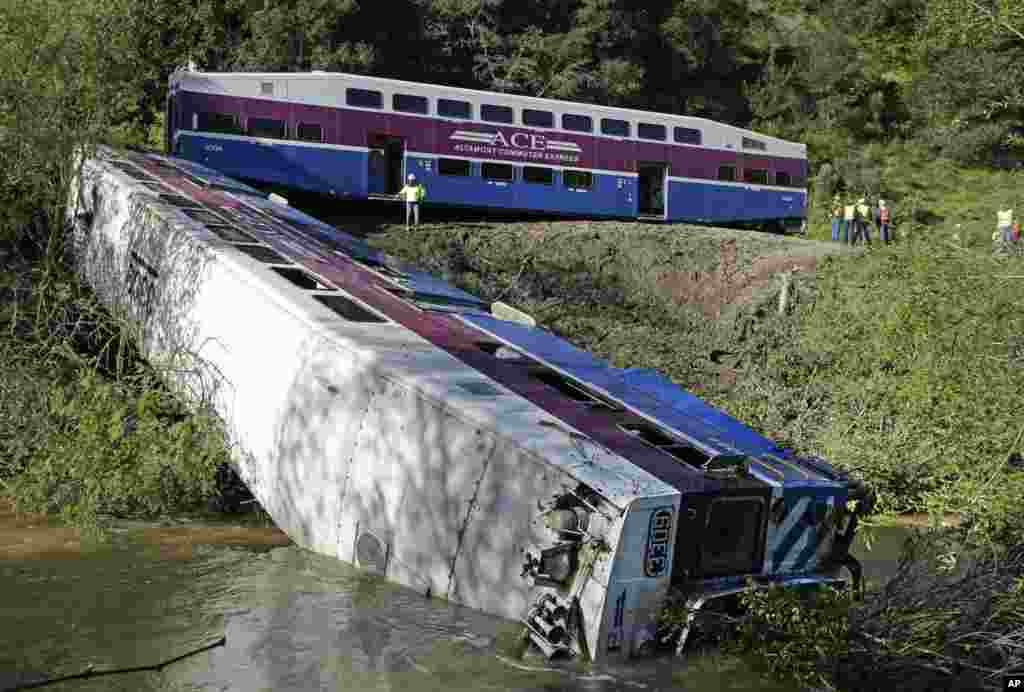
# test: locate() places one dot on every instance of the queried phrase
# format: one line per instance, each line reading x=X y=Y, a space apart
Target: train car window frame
x=755 y=176
x=614 y=127
x=228 y=124
x=410 y=103
x=532 y=117
x=488 y=169
x=687 y=135
x=585 y=179
x=462 y=164
x=451 y=108
x=493 y=113
x=755 y=144
x=348 y=309
x=783 y=179
x=652 y=131
x=280 y=128
x=727 y=178
x=530 y=171
x=364 y=98
x=573 y=122
x=305 y=138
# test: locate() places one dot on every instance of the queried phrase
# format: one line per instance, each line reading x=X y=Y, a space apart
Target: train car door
x=651 y=189
x=385 y=163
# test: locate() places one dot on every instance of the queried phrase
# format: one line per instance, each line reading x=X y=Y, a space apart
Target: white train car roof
x=328 y=89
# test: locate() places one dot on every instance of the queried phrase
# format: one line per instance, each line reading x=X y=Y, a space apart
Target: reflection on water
x=293 y=621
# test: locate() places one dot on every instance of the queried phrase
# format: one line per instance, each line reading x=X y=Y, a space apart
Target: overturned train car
x=391 y=420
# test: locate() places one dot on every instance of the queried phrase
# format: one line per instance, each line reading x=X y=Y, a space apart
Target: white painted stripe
x=792 y=517
x=274 y=142
x=740 y=184
x=798 y=547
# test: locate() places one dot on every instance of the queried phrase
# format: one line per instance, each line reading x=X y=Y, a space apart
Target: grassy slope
x=902 y=363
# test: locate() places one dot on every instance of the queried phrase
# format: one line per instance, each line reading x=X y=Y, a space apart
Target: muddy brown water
x=292 y=620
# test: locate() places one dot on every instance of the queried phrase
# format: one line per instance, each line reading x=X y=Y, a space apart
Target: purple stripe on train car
x=460 y=340
x=473 y=139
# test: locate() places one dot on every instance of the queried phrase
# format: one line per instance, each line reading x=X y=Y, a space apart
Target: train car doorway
x=651 y=184
x=387 y=158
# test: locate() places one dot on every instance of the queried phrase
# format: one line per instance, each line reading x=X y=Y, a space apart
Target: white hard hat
x=412 y=177
x=881 y=202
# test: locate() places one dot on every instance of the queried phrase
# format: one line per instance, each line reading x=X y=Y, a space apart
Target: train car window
x=758 y=176
x=727 y=173
x=309 y=132
x=497 y=171
x=571 y=389
x=447 y=108
x=798 y=181
x=686 y=135
x=749 y=143
x=650 y=435
x=265 y=127
x=579 y=180
x=349 y=309
x=364 y=98
x=261 y=253
x=577 y=123
x=218 y=122
x=782 y=178
x=535 y=174
x=302 y=279
x=534 y=118
x=453 y=167
x=611 y=126
x=407 y=103
x=496 y=114
x=648 y=131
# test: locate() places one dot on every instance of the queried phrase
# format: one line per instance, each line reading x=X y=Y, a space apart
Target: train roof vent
x=573 y=390
x=652 y=436
x=302 y=279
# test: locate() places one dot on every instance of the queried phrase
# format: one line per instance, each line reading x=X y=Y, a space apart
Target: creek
x=292 y=620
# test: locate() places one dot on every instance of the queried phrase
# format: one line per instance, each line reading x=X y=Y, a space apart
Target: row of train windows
x=504 y=172
x=311 y=132
x=584 y=179
x=268 y=128
x=450 y=108
x=759 y=176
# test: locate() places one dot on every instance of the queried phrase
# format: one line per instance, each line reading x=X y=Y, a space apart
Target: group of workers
x=851 y=222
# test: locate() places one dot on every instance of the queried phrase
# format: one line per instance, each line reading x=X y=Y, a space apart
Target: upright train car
x=393 y=421
x=359 y=137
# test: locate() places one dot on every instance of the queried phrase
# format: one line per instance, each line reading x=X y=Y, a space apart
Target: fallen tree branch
x=91 y=672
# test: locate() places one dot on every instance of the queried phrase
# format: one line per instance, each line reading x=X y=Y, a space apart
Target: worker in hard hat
x=861 y=215
x=837 y=216
x=846 y=228
x=1004 y=224
x=414 y=193
x=882 y=218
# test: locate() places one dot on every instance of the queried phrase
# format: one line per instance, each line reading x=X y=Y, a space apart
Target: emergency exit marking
x=1013 y=682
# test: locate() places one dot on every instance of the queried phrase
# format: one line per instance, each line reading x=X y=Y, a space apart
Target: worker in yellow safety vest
x=1004 y=224
x=414 y=193
x=846 y=228
x=860 y=222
